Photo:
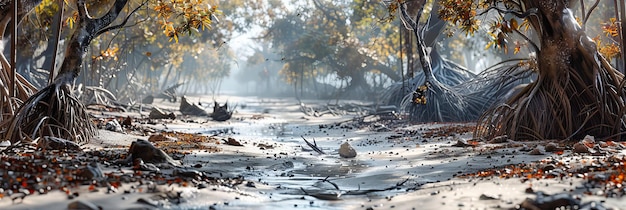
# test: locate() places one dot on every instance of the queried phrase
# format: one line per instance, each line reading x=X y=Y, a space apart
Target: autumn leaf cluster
x=184 y=16
x=611 y=30
x=461 y=13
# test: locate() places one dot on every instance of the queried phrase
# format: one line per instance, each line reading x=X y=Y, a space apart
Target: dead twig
x=364 y=192
x=337 y=195
x=313 y=146
x=332 y=183
x=323 y=196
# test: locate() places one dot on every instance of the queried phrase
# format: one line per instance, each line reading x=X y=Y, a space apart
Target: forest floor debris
x=263 y=163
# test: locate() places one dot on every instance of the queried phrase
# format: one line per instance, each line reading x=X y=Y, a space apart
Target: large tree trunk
x=576 y=93
x=54 y=111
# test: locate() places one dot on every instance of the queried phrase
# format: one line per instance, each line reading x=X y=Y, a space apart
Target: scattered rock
x=128 y=121
x=551 y=147
x=54 y=143
x=221 y=113
x=250 y=184
x=265 y=146
x=537 y=151
x=189 y=173
x=157 y=113
x=529 y=190
x=347 y=151
x=556 y=201
x=548 y=167
x=111 y=189
x=191 y=109
x=232 y=142
x=580 y=148
x=486 y=197
x=149 y=153
x=82 y=205
x=113 y=125
x=589 y=141
x=92 y=171
x=5 y=143
x=138 y=164
x=465 y=143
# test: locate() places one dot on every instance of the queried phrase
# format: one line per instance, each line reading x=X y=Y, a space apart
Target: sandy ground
x=406 y=166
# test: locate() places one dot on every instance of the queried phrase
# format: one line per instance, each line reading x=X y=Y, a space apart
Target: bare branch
x=535 y=47
x=590 y=11
x=529 y=12
x=82 y=10
x=123 y=23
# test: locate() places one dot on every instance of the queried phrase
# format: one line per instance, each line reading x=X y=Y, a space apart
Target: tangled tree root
x=53 y=111
x=560 y=108
x=436 y=102
x=438 y=99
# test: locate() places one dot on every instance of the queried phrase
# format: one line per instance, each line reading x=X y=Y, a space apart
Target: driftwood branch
x=337 y=195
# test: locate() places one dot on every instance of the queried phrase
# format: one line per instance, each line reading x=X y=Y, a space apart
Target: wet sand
x=407 y=166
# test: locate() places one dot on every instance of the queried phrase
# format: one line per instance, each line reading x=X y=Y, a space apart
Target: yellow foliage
x=460 y=12
x=110 y=52
x=71 y=20
x=611 y=28
x=609 y=51
x=190 y=16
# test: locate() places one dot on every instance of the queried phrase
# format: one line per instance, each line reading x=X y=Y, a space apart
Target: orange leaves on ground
x=183 y=142
x=446 y=131
x=473 y=142
x=606 y=174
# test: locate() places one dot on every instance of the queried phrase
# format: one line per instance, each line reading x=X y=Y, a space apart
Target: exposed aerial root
x=563 y=109
x=460 y=96
x=53 y=111
x=440 y=103
x=497 y=83
x=447 y=102
x=8 y=104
